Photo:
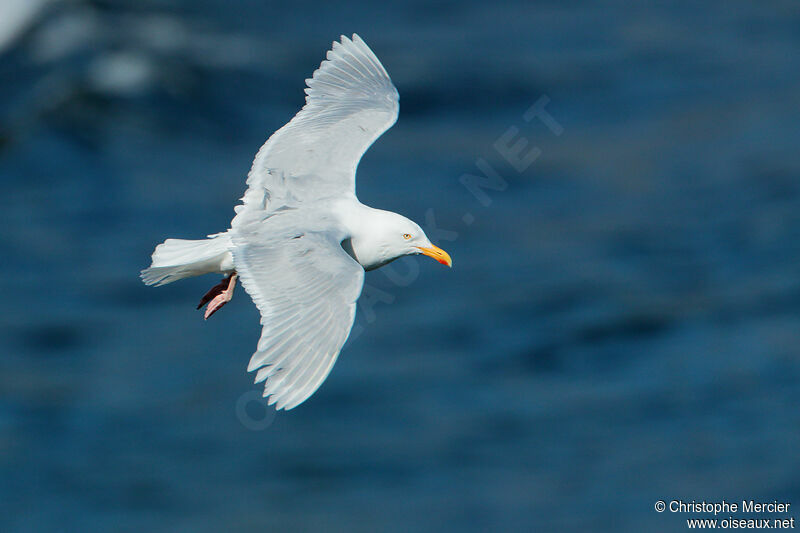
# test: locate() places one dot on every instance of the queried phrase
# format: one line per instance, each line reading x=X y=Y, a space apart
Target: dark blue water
x=621 y=324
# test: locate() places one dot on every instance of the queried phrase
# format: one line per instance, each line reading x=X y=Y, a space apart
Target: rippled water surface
x=620 y=325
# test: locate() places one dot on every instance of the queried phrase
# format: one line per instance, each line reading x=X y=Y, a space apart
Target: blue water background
x=621 y=325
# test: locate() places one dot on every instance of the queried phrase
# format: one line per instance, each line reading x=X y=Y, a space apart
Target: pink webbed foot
x=218 y=296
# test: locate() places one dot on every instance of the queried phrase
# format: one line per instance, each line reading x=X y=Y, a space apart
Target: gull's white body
x=301 y=240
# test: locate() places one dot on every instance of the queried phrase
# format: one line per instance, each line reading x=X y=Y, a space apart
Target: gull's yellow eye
x=406 y=236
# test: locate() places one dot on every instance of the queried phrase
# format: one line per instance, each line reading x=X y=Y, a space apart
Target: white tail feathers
x=176 y=259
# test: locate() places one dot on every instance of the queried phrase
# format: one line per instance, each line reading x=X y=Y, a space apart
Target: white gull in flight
x=301 y=241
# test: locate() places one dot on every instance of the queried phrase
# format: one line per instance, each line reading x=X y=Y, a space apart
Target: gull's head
x=378 y=237
x=404 y=237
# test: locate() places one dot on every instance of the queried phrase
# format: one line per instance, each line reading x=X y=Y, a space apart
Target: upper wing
x=305 y=286
x=350 y=102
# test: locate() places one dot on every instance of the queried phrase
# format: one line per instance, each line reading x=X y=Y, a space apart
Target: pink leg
x=214 y=291
x=219 y=295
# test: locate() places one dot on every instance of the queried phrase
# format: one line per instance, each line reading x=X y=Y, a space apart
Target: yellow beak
x=438 y=254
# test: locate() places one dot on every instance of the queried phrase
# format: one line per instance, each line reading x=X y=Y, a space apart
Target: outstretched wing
x=350 y=102
x=305 y=286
